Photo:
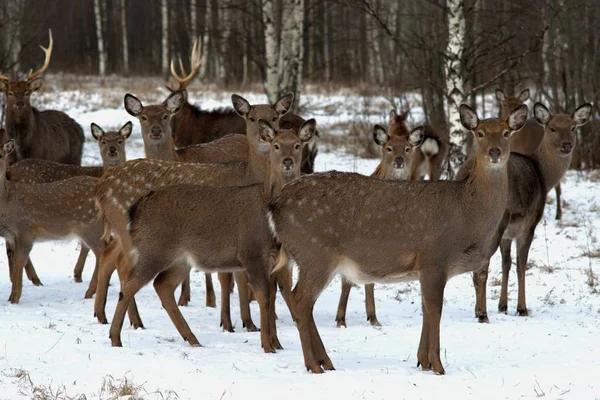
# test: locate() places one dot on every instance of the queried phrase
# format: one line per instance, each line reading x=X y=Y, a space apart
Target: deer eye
x=552 y=130
x=120 y=142
x=407 y=149
x=274 y=119
x=480 y=134
x=252 y=119
x=297 y=146
x=27 y=93
x=104 y=142
x=276 y=146
x=11 y=93
x=144 y=118
x=389 y=149
x=165 y=117
x=506 y=134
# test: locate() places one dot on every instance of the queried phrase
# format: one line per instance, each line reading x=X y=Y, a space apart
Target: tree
x=100 y=38
x=124 y=43
x=164 y=12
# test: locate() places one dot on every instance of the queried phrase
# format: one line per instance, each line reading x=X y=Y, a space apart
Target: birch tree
x=193 y=20
x=124 y=42
x=206 y=53
x=271 y=51
x=225 y=21
x=164 y=11
x=100 y=38
x=454 y=82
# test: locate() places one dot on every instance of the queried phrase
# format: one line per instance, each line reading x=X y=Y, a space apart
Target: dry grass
x=115 y=389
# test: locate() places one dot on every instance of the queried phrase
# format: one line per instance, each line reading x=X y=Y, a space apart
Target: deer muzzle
x=399 y=162
x=566 y=148
x=288 y=164
x=156 y=132
x=495 y=154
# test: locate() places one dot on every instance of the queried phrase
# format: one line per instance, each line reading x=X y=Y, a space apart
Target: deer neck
x=165 y=151
x=274 y=182
x=553 y=167
x=489 y=185
x=258 y=164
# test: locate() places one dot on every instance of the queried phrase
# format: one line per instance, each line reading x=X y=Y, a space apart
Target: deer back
x=34 y=171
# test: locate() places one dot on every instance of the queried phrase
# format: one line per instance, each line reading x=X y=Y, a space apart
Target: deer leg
x=108 y=261
x=340 y=317
x=435 y=167
x=83 y=253
x=91 y=290
x=186 y=292
x=260 y=283
x=432 y=295
x=284 y=281
x=32 y=274
x=523 y=246
x=480 y=277
x=370 y=304
x=165 y=284
x=210 y=291
x=128 y=290
x=18 y=254
x=241 y=278
x=132 y=311
x=225 y=280
x=558 y=191
x=506 y=264
x=272 y=316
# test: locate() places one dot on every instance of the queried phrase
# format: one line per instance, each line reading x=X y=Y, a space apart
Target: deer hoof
x=341 y=322
x=482 y=317
x=522 y=312
x=503 y=308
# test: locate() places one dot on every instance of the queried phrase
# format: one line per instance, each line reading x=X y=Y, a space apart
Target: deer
x=48 y=135
x=33 y=171
x=125 y=184
x=397 y=153
x=531 y=178
x=430 y=155
x=353 y=233
x=213 y=229
x=193 y=125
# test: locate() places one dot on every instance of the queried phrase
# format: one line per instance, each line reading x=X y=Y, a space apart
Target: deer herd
x=233 y=191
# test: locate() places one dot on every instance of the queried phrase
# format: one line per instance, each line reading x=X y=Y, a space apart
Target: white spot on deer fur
x=391 y=209
x=272 y=224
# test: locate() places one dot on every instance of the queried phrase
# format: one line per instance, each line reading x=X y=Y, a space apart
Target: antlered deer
x=353 y=233
x=429 y=157
x=49 y=135
x=530 y=181
x=32 y=171
x=397 y=153
x=125 y=184
x=213 y=229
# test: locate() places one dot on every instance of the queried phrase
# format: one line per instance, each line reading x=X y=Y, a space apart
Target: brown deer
x=530 y=181
x=396 y=158
x=354 y=232
x=192 y=125
x=125 y=184
x=32 y=171
x=213 y=229
x=430 y=155
x=49 y=135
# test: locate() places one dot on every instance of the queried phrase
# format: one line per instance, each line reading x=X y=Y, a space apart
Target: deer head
x=509 y=103
x=560 y=130
x=491 y=136
x=112 y=143
x=397 y=151
x=18 y=92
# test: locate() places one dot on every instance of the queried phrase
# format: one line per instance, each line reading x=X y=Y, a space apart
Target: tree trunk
x=193 y=21
x=206 y=54
x=100 y=37
x=455 y=82
x=124 y=43
x=225 y=30
x=290 y=48
x=164 y=11
x=271 y=51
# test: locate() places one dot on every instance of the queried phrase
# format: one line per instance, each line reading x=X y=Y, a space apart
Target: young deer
x=429 y=157
x=125 y=184
x=48 y=211
x=213 y=229
x=48 y=135
x=530 y=181
x=33 y=171
x=396 y=158
x=352 y=233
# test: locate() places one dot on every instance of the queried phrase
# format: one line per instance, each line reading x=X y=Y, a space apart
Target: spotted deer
x=125 y=184
x=48 y=135
x=217 y=229
x=354 y=232
x=429 y=157
x=32 y=171
x=396 y=158
x=531 y=178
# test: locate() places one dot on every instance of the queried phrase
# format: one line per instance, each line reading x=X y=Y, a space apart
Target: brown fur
x=214 y=229
x=328 y=234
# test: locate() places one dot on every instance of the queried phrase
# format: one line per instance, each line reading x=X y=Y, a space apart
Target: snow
x=52 y=342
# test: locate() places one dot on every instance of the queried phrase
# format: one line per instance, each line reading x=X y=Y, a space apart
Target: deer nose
x=567 y=147
x=399 y=162
x=20 y=104
x=495 y=154
x=156 y=130
x=287 y=163
x=112 y=149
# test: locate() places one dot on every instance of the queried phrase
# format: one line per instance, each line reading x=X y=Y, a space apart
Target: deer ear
x=3 y=85
x=541 y=114
x=266 y=131
x=393 y=114
x=518 y=117
x=97 y=132
x=174 y=103
x=133 y=105
x=380 y=136
x=283 y=105
x=524 y=95
x=468 y=117
x=500 y=96
x=416 y=136
x=240 y=105
x=9 y=146
x=125 y=130
x=582 y=114
x=307 y=130
x=35 y=84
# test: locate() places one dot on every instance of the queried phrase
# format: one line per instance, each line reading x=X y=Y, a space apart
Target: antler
x=48 y=52
x=185 y=79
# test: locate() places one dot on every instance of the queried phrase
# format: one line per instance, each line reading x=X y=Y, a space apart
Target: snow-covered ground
x=52 y=344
